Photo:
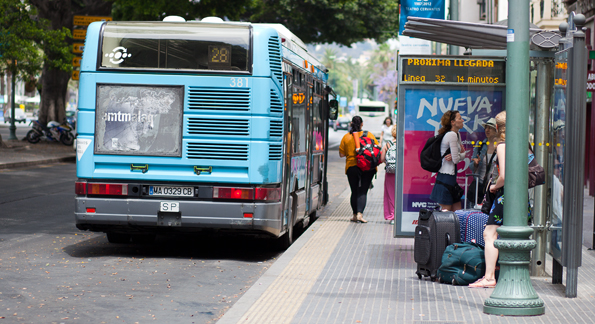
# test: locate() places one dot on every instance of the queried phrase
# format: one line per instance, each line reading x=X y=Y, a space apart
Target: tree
x=57 y=64
x=338 y=76
x=327 y=21
x=21 y=37
x=384 y=73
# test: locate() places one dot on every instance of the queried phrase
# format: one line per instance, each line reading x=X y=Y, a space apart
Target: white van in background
x=373 y=114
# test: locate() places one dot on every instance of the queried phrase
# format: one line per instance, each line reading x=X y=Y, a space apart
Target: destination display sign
x=473 y=70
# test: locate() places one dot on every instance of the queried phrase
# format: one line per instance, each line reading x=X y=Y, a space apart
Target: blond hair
x=393 y=131
x=501 y=126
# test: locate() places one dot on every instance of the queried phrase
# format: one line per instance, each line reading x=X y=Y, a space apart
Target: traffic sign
x=79 y=33
x=78 y=48
x=76 y=61
x=591 y=55
x=75 y=74
x=86 y=20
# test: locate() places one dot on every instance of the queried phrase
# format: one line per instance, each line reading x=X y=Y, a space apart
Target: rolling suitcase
x=435 y=231
x=472 y=221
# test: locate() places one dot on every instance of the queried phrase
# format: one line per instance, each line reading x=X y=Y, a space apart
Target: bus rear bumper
x=103 y=214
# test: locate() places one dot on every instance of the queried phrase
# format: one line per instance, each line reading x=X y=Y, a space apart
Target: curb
x=11 y=165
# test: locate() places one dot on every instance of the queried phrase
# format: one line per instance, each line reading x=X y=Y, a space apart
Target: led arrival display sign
x=429 y=86
x=447 y=69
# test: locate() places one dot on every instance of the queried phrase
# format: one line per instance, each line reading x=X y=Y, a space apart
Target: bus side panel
x=267 y=43
x=89 y=61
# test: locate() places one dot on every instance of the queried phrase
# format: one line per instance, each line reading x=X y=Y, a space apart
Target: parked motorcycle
x=54 y=131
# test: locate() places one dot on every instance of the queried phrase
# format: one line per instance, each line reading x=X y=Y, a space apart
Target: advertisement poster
x=423 y=110
x=139 y=120
x=420 y=8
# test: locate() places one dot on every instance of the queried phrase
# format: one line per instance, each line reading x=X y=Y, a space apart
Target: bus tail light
x=110 y=189
x=233 y=193
x=268 y=194
x=90 y=209
x=80 y=188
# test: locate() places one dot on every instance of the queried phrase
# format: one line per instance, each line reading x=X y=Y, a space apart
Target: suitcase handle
x=448 y=242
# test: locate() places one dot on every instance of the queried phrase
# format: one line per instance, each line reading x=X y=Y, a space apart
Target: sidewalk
x=21 y=153
x=343 y=272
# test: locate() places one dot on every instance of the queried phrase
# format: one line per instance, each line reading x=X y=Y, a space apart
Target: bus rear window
x=175 y=46
x=371 y=109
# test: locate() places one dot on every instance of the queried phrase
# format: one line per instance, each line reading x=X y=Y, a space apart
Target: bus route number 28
x=238 y=82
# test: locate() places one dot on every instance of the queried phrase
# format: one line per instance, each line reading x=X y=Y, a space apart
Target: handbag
x=455 y=191
x=488 y=198
x=536 y=172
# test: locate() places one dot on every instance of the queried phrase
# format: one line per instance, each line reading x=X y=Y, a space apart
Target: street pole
x=514 y=294
x=12 y=127
x=454 y=15
x=574 y=157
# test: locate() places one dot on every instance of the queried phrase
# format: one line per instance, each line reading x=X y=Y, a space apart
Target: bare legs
x=491 y=253
x=453 y=207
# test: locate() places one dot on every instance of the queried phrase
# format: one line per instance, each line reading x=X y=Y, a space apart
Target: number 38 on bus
x=188 y=126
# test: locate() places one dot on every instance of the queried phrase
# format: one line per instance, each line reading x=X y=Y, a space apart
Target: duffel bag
x=462 y=264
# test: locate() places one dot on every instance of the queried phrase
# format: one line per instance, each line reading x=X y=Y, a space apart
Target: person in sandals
x=497 y=211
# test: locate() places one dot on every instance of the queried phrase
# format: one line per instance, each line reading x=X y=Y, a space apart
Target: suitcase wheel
x=433 y=278
x=418 y=275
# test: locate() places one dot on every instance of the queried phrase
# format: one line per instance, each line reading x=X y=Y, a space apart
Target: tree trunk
x=54 y=83
x=53 y=95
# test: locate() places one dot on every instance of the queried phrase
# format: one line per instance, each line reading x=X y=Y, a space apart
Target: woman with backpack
x=446 y=189
x=389 y=156
x=359 y=180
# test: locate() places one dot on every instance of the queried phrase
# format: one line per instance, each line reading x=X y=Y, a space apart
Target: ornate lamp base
x=514 y=293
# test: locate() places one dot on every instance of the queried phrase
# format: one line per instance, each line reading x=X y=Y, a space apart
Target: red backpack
x=368 y=155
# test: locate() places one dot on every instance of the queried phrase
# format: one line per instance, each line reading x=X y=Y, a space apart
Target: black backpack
x=430 y=157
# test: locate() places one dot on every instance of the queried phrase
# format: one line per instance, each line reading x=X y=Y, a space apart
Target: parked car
x=20 y=116
x=342 y=123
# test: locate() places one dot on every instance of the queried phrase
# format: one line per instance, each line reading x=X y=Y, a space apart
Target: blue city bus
x=199 y=126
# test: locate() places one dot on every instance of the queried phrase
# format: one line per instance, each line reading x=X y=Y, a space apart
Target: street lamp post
x=12 y=127
x=514 y=294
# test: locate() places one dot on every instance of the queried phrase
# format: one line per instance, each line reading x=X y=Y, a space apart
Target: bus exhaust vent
x=218 y=99
x=275 y=59
x=276 y=128
x=218 y=151
x=275 y=152
x=208 y=126
x=276 y=105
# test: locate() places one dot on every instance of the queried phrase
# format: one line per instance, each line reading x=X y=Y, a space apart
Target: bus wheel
x=143 y=238
x=285 y=241
x=118 y=238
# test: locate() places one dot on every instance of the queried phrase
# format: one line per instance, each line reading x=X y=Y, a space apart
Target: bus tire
x=285 y=241
x=118 y=238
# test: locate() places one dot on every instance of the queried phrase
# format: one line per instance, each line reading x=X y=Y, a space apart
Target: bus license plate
x=169 y=207
x=171 y=191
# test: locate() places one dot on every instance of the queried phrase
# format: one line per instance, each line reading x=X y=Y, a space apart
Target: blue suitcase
x=472 y=222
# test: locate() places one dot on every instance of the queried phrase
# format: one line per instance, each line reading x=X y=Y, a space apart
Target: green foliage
x=156 y=10
x=313 y=21
x=22 y=37
x=327 y=21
